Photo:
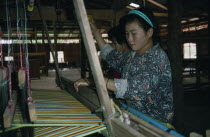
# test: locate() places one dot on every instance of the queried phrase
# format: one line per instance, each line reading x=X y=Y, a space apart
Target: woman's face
x=119 y=47
x=136 y=37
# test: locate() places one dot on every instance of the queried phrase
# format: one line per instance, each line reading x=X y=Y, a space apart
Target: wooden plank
x=32 y=110
x=158 y=4
x=8 y=114
x=21 y=78
x=94 y=62
x=159 y=14
x=123 y=130
x=208 y=133
x=193 y=134
x=9 y=111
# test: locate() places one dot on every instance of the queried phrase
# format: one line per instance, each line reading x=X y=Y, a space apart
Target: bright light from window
x=8 y=58
x=3 y=41
x=195 y=28
x=60 y=57
x=183 y=21
x=104 y=35
x=129 y=7
x=164 y=25
x=193 y=19
x=134 y=5
x=190 y=51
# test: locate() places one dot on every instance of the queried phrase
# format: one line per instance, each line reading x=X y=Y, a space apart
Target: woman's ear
x=150 y=32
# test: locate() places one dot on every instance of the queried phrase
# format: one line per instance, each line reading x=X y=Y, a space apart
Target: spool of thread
x=30 y=6
x=126 y=119
x=90 y=17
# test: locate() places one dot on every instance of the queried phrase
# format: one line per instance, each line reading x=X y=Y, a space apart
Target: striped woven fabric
x=59 y=107
x=59 y=114
x=73 y=131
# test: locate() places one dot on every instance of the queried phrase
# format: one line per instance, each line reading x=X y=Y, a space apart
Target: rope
x=9 y=53
x=30 y=99
x=8 y=28
x=1 y=49
x=18 y=34
x=10 y=85
x=22 y=70
x=3 y=84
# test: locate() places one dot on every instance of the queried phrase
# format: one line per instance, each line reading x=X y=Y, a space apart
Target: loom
x=62 y=112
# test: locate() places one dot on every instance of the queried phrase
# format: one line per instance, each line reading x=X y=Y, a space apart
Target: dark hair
x=142 y=22
x=116 y=33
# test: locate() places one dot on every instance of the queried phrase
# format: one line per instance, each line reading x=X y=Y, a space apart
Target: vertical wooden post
x=94 y=62
x=47 y=51
x=198 y=65
x=208 y=43
x=175 y=55
x=58 y=79
x=55 y=39
x=35 y=36
x=83 y=59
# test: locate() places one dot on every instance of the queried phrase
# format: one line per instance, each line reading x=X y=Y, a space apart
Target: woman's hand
x=97 y=34
x=80 y=82
x=93 y=26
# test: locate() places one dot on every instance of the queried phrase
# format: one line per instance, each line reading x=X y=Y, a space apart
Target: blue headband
x=142 y=15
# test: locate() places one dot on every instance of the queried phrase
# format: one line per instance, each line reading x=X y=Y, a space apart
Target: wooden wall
x=72 y=53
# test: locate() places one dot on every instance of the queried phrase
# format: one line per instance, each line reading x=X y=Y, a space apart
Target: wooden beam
x=159 y=14
x=158 y=4
x=32 y=54
x=94 y=62
x=193 y=134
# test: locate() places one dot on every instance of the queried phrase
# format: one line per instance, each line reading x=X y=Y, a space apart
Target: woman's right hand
x=80 y=82
x=93 y=25
x=96 y=32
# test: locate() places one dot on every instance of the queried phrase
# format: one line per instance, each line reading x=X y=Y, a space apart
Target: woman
x=146 y=82
x=115 y=35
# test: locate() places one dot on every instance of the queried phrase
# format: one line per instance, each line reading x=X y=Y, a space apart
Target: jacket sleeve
x=114 y=58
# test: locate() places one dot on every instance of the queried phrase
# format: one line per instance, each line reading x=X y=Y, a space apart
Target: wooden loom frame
x=94 y=61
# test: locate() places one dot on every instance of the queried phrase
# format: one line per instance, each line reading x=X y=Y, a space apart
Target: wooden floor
x=48 y=82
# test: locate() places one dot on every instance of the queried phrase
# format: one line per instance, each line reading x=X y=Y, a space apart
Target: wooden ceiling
x=62 y=12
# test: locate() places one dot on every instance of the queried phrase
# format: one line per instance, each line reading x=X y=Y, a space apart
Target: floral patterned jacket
x=146 y=81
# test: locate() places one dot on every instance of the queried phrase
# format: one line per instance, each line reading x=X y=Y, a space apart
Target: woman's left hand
x=80 y=82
